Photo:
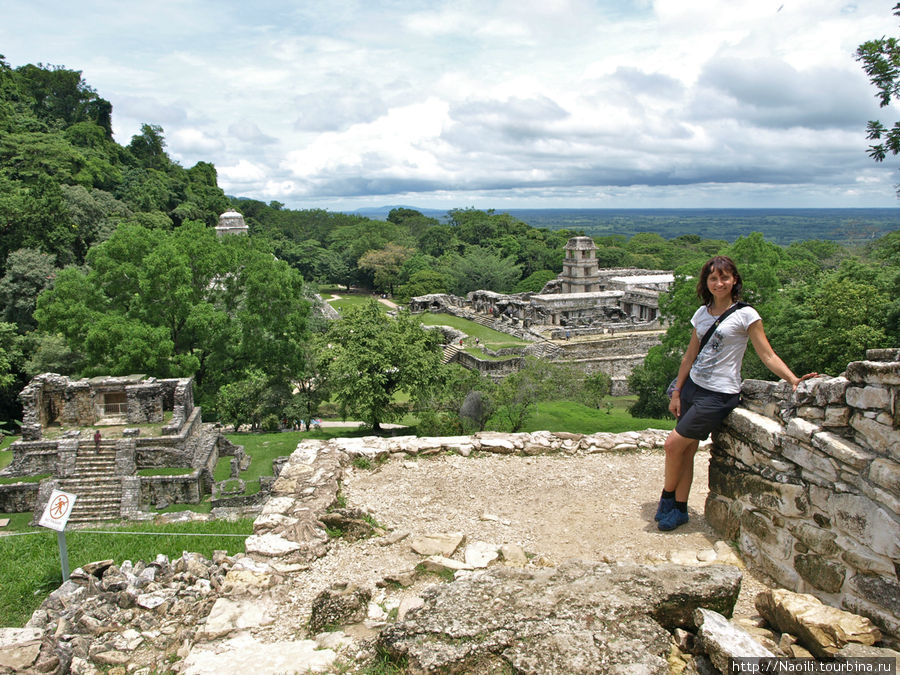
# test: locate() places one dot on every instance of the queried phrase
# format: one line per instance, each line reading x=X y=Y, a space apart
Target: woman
x=708 y=386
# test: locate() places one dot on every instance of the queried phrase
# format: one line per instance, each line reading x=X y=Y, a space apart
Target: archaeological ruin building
x=143 y=423
x=604 y=319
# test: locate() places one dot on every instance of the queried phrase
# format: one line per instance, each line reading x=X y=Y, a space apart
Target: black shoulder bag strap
x=724 y=315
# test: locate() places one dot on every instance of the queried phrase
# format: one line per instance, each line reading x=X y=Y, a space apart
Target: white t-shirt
x=718 y=365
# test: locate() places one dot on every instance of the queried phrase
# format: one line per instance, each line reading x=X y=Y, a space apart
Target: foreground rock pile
x=140 y=616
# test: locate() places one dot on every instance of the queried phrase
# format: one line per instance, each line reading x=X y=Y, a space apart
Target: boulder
x=723 y=641
x=341 y=604
x=576 y=618
x=444 y=544
x=823 y=630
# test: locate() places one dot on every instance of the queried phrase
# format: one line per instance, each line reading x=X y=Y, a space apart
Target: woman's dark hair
x=720 y=263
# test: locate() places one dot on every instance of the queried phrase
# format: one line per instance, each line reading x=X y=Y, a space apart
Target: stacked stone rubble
x=808 y=483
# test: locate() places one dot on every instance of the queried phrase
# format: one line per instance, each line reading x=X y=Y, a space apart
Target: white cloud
x=190 y=141
x=563 y=102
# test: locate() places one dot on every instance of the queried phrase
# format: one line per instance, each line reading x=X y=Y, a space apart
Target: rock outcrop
x=576 y=618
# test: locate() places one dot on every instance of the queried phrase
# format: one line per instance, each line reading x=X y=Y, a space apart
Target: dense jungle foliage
x=109 y=264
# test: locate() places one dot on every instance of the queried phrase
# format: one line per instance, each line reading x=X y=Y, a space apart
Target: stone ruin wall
x=50 y=397
x=808 y=484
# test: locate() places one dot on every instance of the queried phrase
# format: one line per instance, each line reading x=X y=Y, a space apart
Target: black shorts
x=702 y=410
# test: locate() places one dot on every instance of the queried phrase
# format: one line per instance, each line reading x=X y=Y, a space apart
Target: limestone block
x=811 y=412
x=479 y=554
x=882 y=591
x=867 y=562
x=871 y=398
x=270 y=545
x=755 y=556
x=823 y=630
x=816 y=539
x=821 y=573
x=723 y=515
x=855 y=651
x=836 y=416
x=873 y=372
x=787 y=499
x=440 y=564
x=343 y=603
x=19 y=648
x=831 y=391
x=723 y=640
x=245 y=654
x=886 y=473
x=440 y=543
x=801 y=429
x=228 y=615
x=512 y=620
x=756 y=428
x=497 y=443
x=775 y=540
x=841 y=449
x=807 y=458
x=866 y=522
x=513 y=554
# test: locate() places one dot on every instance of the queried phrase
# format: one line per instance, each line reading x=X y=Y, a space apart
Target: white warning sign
x=57 y=511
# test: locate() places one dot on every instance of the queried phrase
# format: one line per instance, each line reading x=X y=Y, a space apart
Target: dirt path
x=592 y=507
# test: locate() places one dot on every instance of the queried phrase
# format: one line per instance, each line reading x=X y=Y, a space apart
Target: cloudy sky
x=342 y=104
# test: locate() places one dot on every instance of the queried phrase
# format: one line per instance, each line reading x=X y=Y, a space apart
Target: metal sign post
x=55 y=516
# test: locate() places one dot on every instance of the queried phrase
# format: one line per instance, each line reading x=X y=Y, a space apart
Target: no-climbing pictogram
x=57 y=511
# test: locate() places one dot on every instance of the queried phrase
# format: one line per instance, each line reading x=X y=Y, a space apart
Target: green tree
x=372 y=357
x=239 y=403
x=650 y=379
x=479 y=268
x=880 y=59
x=49 y=353
x=534 y=282
x=28 y=272
x=10 y=355
x=596 y=388
x=516 y=396
x=832 y=320
x=423 y=282
x=181 y=303
x=385 y=263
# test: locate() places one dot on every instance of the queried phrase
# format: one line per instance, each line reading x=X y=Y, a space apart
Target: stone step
x=95 y=471
x=450 y=351
x=91 y=481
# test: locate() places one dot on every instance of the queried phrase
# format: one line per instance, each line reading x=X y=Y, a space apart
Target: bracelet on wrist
x=676 y=388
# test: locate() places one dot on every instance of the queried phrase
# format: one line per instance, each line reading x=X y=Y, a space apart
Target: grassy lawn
x=347 y=301
x=491 y=338
x=30 y=568
x=579 y=419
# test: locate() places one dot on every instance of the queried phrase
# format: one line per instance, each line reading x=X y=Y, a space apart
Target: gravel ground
x=592 y=507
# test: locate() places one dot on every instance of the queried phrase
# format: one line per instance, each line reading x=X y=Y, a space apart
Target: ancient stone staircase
x=544 y=350
x=97 y=488
x=450 y=352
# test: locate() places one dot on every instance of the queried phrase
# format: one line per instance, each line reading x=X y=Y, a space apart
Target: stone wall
x=18 y=497
x=145 y=403
x=489 y=368
x=171 y=489
x=32 y=457
x=808 y=483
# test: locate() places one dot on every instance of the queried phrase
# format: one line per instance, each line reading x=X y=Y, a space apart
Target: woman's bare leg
x=680 y=465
